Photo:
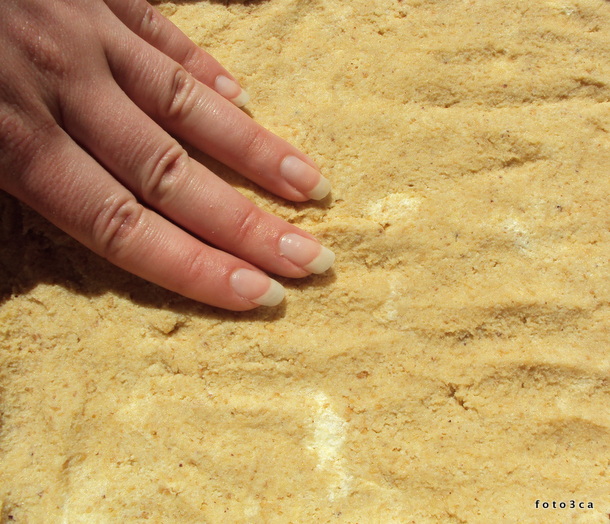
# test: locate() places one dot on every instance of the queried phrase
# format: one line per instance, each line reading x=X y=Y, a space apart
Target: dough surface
x=453 y=367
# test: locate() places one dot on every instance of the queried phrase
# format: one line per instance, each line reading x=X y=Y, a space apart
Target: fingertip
x=242 y=99
x=257 y=287
x=303 y=177
x=274 y=296
x=231 y=90
x=306 y=253
x=321 y=263
x=320 y=190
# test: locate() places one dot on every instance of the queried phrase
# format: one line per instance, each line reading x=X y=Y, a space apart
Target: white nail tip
x=242 y=99
x=321 y=190
x=273 y=296
x=229 y=89
x=322 y=262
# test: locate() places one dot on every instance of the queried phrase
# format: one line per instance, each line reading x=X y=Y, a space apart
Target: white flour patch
x=518 y=233
x=388 y=311
x=329 y=434
x=393 y=208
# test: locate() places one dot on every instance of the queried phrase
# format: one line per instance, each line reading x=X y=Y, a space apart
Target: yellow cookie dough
x=453 y=367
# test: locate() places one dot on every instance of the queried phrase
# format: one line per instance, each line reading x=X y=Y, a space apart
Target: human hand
x=90 y=96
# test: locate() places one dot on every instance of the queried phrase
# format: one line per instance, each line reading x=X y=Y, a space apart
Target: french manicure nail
x=306 y=253
x=257 y=287
x=232 y=90
x=304 y=178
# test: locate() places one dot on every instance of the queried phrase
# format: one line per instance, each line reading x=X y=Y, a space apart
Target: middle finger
x=197 y=114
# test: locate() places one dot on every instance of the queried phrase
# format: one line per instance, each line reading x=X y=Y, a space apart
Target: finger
x=145 y=21
x=66 y=185
x=192 y=111
x=157 y=169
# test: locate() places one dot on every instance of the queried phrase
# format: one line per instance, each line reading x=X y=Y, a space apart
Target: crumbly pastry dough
x=452 y=368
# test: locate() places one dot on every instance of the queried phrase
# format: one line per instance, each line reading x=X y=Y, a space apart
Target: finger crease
x=166 y=175
x=192 y=58
x=114 y=225
x=246 y=224
x=150 y=24
x=182 y=95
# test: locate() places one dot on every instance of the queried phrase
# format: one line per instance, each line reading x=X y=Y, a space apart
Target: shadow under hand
x=36 y=252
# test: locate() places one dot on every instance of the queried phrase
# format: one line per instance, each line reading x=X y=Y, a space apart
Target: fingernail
x=304 y=178
x=232 y=90
x=257 y=287
x=306 y=253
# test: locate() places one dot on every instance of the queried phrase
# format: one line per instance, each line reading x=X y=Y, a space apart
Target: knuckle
x=117 y=222
x=194 y=267
x=253 y=144
x=14 y=133
x=247 y=222
x=41 y=43
x=20 y=141
x=182 y=95
x=149 y=26
x=49 y=57
x=191 y=57
x=41 y=35
x=166 y=175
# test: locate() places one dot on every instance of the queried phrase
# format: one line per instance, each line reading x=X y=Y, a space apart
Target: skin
x=92 y=93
